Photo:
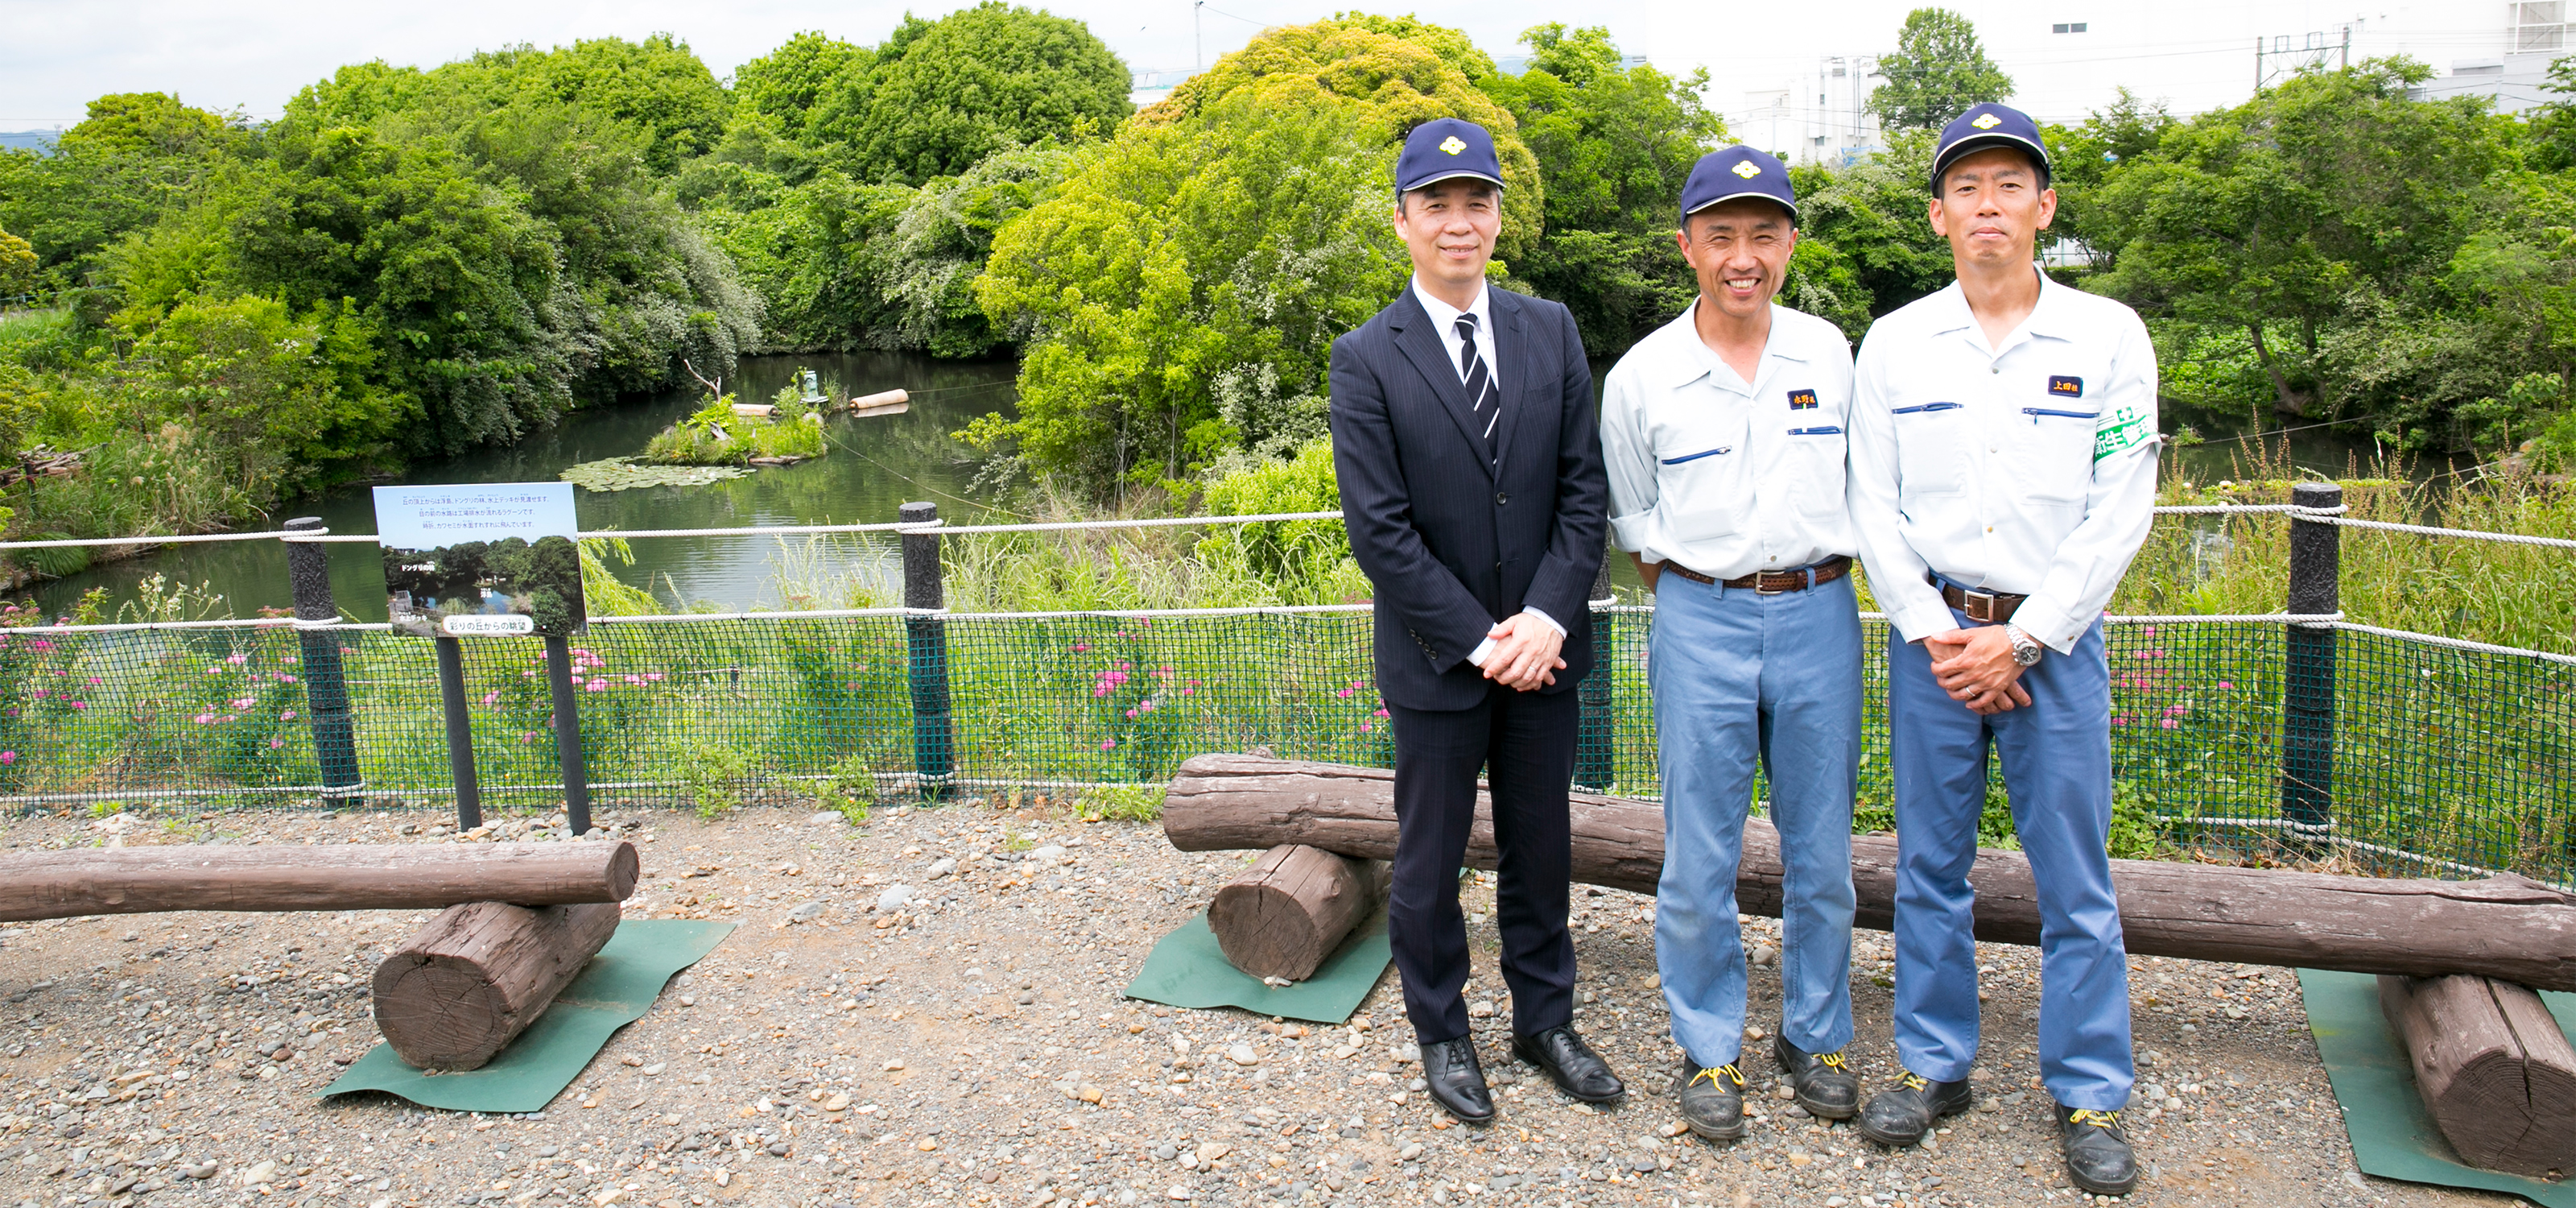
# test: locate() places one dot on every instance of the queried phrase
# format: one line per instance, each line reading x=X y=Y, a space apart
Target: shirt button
x=1995 y=369
x=1501 y=498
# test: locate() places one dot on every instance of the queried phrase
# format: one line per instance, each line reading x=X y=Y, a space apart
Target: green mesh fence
x=2447 y=761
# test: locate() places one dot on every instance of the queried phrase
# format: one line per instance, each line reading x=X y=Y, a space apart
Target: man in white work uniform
x=1723 y=434
x=2003 y=475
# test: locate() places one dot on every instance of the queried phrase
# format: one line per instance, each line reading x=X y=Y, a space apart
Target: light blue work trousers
x=2056 y=753
x=1739 y=675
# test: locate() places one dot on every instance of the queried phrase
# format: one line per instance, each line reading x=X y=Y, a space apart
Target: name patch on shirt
x=1800 y=400
x=2061 y=386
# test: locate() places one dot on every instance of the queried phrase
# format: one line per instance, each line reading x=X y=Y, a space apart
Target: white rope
x=797 y=615
x=1163 y=522
x=2230 y=509
x=2458 y=643
x=778 y=530
x=2427 y=530
x=1121 y=614
x=173 y=539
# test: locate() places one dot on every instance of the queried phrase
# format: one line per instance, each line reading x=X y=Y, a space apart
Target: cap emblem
x=1746 y=168
x=1987 y=121
x=1453 y=144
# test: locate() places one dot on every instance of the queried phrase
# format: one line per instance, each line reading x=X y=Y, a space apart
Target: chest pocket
x=2054 y=445
x=1703 y=480
x=1931 y=449
x=1815 y=458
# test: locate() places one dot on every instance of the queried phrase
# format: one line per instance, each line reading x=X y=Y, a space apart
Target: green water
x=874 y=466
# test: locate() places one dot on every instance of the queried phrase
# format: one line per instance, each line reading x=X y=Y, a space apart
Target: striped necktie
x=1480 y=383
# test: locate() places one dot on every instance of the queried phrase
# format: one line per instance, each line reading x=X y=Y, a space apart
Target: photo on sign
x=475 y=588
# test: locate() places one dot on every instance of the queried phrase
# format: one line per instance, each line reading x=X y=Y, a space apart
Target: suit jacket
x=1452 y=544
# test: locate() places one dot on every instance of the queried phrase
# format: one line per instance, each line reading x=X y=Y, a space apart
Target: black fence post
x=567 y=701
x=2308 y=691
x=326 y=689
x=1596 y=763
x=460 y=734
x=926 y=640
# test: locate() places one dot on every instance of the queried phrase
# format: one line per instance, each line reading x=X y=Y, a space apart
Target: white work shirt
x=1725 y=476
x=2027 y=468
x=1444 y=319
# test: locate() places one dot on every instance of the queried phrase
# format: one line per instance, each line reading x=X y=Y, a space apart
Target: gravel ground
x=970 y=1047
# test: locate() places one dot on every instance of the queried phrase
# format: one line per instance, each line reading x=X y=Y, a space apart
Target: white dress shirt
x=1725 y=476
x=1444 y=319
x=2027 y=467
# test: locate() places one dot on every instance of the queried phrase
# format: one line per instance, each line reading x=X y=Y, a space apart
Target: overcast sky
x=224 y=54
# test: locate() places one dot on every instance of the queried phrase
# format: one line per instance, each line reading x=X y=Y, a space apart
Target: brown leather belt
x=1774 y=582
x=1991 y=607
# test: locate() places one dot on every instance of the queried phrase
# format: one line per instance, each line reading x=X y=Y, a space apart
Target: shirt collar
x=1689 y=358
x=2048 y=318
x=1446 y=316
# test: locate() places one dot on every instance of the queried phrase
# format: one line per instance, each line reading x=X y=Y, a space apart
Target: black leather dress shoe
x=1901 y=1114
x=1456 y=1082
x=2098 y=1157
x=1570 y=1063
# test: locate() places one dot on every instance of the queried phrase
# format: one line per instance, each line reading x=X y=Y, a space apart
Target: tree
x=1937 y=72
x=1391 y=74
x=787 y=83
x=1614 y=146
x=944 y=94
x=17 y=265
x=2553 y=126
x=133 y=159
x=1180 y=291
x=2319 y=202
x=1865 y=242
x=2082 y=158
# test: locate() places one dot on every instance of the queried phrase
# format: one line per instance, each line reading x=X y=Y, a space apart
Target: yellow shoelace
x=2086 y=1115
x=1912 y=1081
x=1727 y=1072
x=1833 y=1059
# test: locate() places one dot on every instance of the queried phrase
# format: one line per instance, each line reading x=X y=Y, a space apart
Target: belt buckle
x=1981 y=605
x=1761 y=577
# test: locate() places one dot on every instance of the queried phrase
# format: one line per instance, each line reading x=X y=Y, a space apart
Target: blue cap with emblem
x=1988 y=125
x=1443 y=148
x=1738 y=171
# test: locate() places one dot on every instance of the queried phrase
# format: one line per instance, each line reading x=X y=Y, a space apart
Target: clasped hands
x=1976 y=667
x=1525 y=650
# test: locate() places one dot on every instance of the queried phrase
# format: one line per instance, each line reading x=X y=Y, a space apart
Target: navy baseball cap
x=1738 y=171
x=1443 y=148
x=1988 y=125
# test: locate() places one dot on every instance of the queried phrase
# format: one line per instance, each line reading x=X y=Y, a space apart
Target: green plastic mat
x=1187 y=969
x=2392 y=1136
x=615 y=990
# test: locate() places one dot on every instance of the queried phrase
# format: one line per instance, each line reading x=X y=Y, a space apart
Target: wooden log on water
x=883 y=402
x=756 y=410
x=1282 y=918
x=2495 y=1071
x=2506 y=927
x=479 y=974
x=140 y=880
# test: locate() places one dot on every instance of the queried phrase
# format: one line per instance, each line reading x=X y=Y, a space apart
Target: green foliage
x=1938 y=71
x=1181 y=289
x=716 y=776
x=1308 y=561
x=714 y=435
x=948 y=93
x=2137 y=826
x=134 y=158
x=1614 y=147
x=1865 y=239
x=17 y=265
x=848 y=788
x=1120 y=803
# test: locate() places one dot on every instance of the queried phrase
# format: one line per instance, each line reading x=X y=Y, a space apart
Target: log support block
x=1292 y=909
x=2495 y=1071
x=478 y=974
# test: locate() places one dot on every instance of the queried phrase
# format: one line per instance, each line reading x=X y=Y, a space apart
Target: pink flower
x=205 y=719
x=2170 y=724
x=1131 y=714
x=492 y=697
x=635 y=679
x=41 y=644
x=1381 y=712
x=237 y=659
x=1189 y=691
x=244 y=702
x=8 y=757
x=1109 y=744
x=1080 y=647
x=2148 y=631
x=80 y=704
x=576 y=677
x=2224 y=686
x=289 y=715
x=94 y=681
x=655 y=677
x=1146 y=705
x=599 y=685
x=275 y=743
x=1100 y=689
x=2121 y=720
x=286 y=679
x=527 y=675
x=42 y=693
x=1365 y=727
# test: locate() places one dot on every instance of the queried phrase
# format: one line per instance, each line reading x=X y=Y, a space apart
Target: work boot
x=1900 y=1115
x=2098 y=1157
x=1713 y=1103
x=1824 y=1085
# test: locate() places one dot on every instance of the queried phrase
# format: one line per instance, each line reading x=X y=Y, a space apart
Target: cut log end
x=2495 y=1071
x=1291 y=910
x=478 y=974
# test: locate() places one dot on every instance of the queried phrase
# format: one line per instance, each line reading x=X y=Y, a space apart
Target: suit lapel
x=1430 y=357
x=1512 y=346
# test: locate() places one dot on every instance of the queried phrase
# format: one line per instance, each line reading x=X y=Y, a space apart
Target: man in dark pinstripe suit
x=1471 y=478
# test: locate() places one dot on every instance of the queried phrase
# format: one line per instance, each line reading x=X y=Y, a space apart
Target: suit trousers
x=1524 y=742
x=2056 y=754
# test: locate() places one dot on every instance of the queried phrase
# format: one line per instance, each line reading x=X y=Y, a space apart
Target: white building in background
x=2540 y=33
x=1820 y=117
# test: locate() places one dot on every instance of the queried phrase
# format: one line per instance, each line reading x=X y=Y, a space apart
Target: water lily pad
x=628 y=473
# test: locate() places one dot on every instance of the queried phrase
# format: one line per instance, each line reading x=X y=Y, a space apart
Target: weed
x=1120 y=803
x=715 y=775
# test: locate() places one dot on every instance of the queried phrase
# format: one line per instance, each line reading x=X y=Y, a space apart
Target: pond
x=874 y=466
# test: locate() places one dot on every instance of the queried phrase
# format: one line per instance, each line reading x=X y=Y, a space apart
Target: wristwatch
x=2025 y=648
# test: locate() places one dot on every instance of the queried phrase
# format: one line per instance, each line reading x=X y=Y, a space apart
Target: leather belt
x=1991 y=607
x=1774 y=582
